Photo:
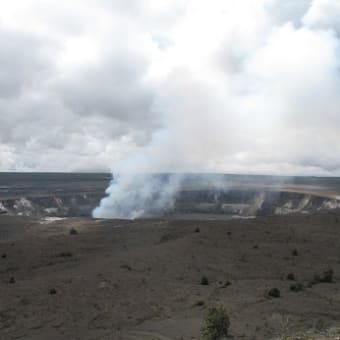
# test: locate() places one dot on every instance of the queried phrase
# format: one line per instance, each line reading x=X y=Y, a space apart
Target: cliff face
x=73 y=195
x=48 y=194
x=229 y=203
x=252 y=202
x=59 y=206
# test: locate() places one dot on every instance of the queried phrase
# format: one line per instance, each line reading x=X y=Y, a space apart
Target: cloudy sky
x=248 y=86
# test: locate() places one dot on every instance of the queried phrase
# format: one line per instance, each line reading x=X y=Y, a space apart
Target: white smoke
x=139 y=195
x=242 y=87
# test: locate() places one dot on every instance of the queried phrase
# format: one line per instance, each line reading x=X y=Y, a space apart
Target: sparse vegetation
x=204 y=281
x=216 y=325
x=65 y=254
x=296 y=287
x=73 y=231
x=274 y=292
x=326 y=277
x=297 y=337
x=291 y=277
x=125 y=266
x=200 y=303
x=52 y=291
x=226 y=284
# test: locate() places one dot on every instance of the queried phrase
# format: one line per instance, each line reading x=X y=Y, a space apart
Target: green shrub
x=216 y=324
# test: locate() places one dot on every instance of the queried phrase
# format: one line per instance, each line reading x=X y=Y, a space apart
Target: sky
x=247 y=86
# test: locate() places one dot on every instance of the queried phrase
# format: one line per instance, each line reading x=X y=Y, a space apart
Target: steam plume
x=251 y=87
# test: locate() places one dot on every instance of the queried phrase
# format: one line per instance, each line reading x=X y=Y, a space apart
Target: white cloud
x=246 y=86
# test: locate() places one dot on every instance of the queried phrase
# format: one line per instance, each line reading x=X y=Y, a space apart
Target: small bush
x=200 y=303
x=125 y=266
x=65 y=254
x=204 y=281
x=296 y=287
x=226 y=284
x=52 y=291
x=291 y=277
x=295 y=252
x=73 y=231
x=216 y=324
x=274 y=292
x=326 y=277
x=197 y=230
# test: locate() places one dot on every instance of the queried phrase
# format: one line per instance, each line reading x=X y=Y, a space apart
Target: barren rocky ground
x=118 y=279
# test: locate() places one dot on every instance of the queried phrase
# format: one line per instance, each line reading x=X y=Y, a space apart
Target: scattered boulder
x=295 y=252
x=4 y=255
x=11 y=280
x=197 y=230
